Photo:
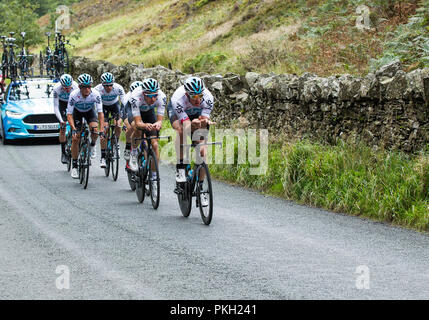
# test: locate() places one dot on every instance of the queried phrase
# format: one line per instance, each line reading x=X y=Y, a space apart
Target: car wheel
x=3 y=135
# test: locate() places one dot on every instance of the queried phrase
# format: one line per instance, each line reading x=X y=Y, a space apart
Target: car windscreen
x=29 y=90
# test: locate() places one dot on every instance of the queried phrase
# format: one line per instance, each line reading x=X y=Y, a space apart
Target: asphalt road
x=257 y=247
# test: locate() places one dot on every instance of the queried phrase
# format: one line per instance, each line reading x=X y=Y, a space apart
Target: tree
x=19 y=16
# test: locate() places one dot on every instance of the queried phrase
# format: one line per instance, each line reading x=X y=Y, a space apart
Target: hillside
x=265 y=35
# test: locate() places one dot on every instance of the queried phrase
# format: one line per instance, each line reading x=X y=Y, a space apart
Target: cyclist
x=143 y=102
x=189 y=110
x=111 y=92
x=127 y=113
x=62 y=92
x=83 y=103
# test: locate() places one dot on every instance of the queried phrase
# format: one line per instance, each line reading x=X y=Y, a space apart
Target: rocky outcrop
x=388 y=108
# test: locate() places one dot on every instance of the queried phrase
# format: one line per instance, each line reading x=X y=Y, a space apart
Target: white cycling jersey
x=127 y=97
x=61 y=95
x=183 y=107
x=138 y=103
x=113 y=96
x=78 y=102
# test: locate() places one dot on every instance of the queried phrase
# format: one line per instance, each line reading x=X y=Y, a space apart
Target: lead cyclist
x=189 y=110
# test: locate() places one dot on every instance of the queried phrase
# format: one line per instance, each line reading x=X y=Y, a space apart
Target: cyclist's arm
x=70 y=108
x=57 y=107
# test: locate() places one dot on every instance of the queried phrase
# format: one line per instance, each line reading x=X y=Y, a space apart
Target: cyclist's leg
x=118 y=120
x=77 y=119
x=103 y=140
x=150 y=117
x=92 y=119
x=62 y=135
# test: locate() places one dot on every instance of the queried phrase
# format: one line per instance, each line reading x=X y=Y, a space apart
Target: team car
x=27 y=110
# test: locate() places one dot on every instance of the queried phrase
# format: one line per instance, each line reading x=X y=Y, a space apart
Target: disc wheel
x=205 y=194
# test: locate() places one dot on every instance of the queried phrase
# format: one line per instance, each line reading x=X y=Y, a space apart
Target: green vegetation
x=349 y=178
x=18 y=16
x=253 y=35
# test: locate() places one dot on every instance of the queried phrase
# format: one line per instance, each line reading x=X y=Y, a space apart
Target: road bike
x=24 y=62
x=12 y=63
x=198 y=184
x=112 y=151
x=146 y=183
x=5 y=58
x=60 y=56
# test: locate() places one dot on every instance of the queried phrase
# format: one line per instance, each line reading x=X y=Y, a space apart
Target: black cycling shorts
x=63 y=109
x=172 y=116
x=147 y=117
x=114 y=110
x=90 y=116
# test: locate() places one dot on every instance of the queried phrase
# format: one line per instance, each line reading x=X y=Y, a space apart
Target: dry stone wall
x=388 y=108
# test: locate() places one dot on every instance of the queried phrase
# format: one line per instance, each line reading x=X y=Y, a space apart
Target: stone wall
x=388 y=108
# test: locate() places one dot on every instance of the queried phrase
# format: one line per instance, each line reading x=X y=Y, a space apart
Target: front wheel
x=86 y=166
x=204 y=193
x=114 y=157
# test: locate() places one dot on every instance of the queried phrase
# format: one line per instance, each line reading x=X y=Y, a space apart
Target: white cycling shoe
x=181 y=175
x=93 y=151
x=74 y=173
x=127 y=154
x=103 y=163
x=133 y=163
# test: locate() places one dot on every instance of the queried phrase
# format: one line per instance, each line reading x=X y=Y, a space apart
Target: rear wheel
x=185 y=198
x=140 y=184
x=131 y=179
x=154 y=183
x=204 y=193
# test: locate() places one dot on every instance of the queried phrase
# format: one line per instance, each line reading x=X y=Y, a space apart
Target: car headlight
x=13 y=114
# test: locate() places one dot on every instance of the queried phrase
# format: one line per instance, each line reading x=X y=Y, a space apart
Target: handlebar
x=153 y=138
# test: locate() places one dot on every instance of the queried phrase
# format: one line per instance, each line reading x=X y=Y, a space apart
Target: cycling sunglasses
x=196 y=96
x=107 y=85
x=153 y=95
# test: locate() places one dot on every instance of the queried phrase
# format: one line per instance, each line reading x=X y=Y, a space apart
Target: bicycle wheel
x=140 y=184
x=131 y=180
x=154 y=183
x=68 y=150
x=108 y=157
x=86 y=166
x=81 y=163
x=204 y=193
x=185 y=199
x=114 y=157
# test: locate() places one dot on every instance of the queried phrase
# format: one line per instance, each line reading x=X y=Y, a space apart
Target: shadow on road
x=32 y=141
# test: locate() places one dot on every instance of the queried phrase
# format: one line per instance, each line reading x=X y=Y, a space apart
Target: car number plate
x=46 y=126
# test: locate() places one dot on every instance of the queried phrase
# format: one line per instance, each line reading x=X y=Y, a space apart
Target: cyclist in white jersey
x=189 y=110
x=143 y=102
x=61 y=97
x=127 y=113
x=111 y=92
x=84 y=103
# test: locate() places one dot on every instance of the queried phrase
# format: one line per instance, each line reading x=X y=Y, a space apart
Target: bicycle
x=198 y=184
x=12 y=63
x=112 y=151
x=145 y=184
x=24 y=63
x=61 y=57
x=84 y=157
x=5 y=58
